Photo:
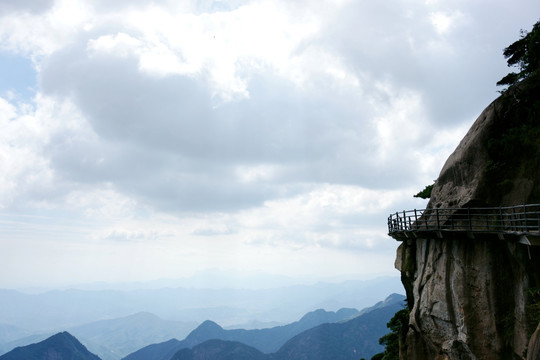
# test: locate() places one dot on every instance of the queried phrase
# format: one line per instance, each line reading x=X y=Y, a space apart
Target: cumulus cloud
x=280 y=124
x=32 y=6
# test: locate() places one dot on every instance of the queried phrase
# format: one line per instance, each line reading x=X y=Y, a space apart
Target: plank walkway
x=520 y=222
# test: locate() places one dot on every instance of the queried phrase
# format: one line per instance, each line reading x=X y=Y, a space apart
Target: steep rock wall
x=497 y=163
x=469 y=297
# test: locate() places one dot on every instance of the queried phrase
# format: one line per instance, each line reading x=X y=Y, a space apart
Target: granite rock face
x=469 y=297
x=464 y=181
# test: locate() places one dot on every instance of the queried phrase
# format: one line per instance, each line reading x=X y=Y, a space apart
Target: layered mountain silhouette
x=115 y=338
x=318 y=335
x=222 y=350
x=264 y=340
x=110 y=339
x=350 y=340
x=62 y=346
x=343 y=335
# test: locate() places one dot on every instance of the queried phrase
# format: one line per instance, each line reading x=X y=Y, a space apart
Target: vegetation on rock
x=525 y=54
x=426 y=193
x=398 y=328
x=519 y=128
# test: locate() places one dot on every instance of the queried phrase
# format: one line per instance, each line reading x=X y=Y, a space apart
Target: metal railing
x=522 y=219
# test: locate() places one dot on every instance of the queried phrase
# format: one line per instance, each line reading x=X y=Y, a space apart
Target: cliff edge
x=478 y=297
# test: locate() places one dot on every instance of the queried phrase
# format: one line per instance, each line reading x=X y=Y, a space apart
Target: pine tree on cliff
x=525 y=54
x=398 y=326
x=518 y=134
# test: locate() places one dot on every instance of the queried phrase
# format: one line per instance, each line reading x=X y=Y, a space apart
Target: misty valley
x=317 y=321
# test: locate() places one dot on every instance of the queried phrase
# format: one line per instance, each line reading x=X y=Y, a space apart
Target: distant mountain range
x=62 y=346
x=114 y=323
x=110 y=339
x=265 y=340
x=53 y=310
x=220 y=350
x=343 y=335
x=319 y=335
x=349 y=340
x=113 y=339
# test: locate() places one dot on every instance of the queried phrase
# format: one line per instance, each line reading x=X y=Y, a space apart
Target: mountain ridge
x=61 y=346
x=348 y=340
x=210 y=330
x=264 y=340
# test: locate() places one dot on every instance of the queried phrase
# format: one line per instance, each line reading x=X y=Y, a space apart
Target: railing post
x=501 y=221
x=416 y=219
x=513 y=219
x=438 y=223
x=404 y=220
x=525 y=218
x=538 y=215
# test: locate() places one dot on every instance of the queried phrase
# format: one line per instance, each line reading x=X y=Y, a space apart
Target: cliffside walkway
x=521 y=223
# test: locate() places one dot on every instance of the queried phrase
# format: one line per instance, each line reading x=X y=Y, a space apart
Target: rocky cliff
x=477 y=297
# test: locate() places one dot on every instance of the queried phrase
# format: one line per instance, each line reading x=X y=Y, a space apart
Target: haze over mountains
x=348 y=340
x=320 y=334
x=266 y=340
x=58 y=310
x=111 y=339
x=114 y=323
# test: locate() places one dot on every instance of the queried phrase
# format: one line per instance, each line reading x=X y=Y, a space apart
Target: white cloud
x=256 y=173
x=444 y=22
x=226 y=130
x=26 y=172
x=120 y=44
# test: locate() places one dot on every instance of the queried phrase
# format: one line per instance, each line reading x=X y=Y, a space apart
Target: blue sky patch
x=17 y=75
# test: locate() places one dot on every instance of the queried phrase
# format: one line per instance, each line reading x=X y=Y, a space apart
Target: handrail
x=522 y=219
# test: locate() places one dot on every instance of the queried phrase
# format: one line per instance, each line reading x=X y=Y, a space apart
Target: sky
x=148 y=139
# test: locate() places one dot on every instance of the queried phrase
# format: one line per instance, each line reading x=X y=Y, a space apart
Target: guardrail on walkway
x=522 y=219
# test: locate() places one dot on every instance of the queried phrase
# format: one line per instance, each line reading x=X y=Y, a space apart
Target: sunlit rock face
x=470 y=296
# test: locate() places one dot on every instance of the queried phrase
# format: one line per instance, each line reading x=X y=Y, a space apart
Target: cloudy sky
x=147 y=139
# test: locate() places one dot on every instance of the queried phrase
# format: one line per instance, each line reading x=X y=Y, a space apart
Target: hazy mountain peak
x=209 y=325
x=393 y=298
x=60 y=346
x=315 y=315
x=346 y=313
x=205 y=331
x=321 y=316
